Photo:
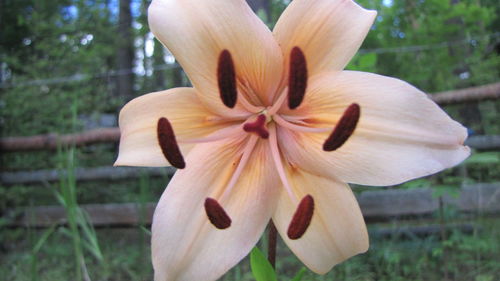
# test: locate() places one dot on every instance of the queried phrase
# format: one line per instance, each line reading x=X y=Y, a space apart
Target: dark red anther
x=297 y=78
x=216 y=214
x=226 y=79
x=258 y=127
x=302 y=218
x=168 y=144
x=344 y=129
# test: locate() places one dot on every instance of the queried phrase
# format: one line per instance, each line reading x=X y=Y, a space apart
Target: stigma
x=258 y=127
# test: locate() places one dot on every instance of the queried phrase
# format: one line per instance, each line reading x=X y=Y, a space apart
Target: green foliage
x=36 y=248
x=81 y=230
x=57 y=58
x=300 y=274
x=484 y=158
x=364 y=62
x=466 y=256
x=261 y=268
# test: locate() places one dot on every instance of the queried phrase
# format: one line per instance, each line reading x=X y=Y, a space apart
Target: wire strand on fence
x=78 y=77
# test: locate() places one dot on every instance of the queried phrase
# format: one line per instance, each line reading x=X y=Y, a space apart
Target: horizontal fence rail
x=412 y=231
x=51 y=141
x=377 y=205
x=491 y=142
x=83 y=174
x=485 y=92
x=121 y=173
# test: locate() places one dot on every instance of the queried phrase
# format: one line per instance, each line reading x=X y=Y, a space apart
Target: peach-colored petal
x=197 y=31
x=329 y=32
x=401 y=134
x=185 y=245
x=138 y=125
x=337 y=230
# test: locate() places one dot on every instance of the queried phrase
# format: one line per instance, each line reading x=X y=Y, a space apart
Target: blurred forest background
x=68 y=66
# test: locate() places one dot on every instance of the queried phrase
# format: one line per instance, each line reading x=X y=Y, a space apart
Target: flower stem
x=271 y=246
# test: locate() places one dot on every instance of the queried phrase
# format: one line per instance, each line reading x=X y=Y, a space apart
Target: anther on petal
x=302 y=218
x=226 y=79
x=258 y=127
x=216 y=214
x=297 y=78
x=168 y=143
x=344 y=129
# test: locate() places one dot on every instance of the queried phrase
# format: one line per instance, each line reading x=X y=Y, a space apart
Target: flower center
x=262 y=123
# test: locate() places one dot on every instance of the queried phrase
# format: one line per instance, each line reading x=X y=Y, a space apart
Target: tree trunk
x=125 y=53
x=263 y=5
x=158 y=62
x=177 y=80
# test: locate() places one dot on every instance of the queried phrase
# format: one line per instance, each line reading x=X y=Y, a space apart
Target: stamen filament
x=275 y=153
x=277 y=105
x=294 y=119
x=248 y=106
x=282 y=122
x=247 y=151
x=219 y=135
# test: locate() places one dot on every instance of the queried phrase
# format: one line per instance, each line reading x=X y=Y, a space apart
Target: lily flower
x=274 y=128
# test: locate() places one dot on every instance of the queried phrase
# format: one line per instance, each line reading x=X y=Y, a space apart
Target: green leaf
x=147 y=231
x=300 y=274
x=261 y=268
x=367 y=61
x=441 y=190
x=42 y=239
x=483 y=158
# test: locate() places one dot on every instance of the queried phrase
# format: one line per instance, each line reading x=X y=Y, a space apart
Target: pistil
x=258 y=127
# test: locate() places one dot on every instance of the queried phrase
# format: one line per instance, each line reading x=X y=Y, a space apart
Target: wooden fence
x=376 y=205
x=51 y=141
